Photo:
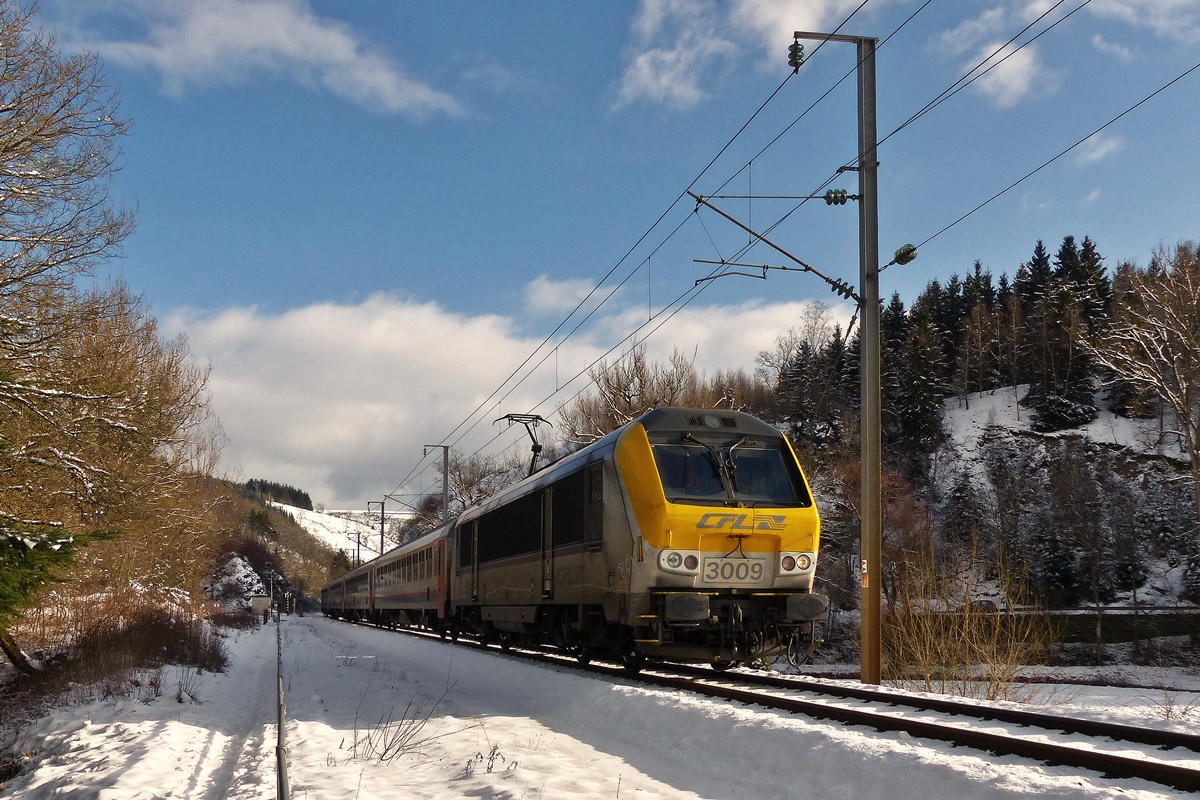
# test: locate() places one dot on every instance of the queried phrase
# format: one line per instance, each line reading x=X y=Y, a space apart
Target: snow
x=966 y=417
x=235 y=583
x=545 y=732
x=336 y=532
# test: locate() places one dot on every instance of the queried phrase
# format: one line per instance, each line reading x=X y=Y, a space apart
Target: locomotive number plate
x=734 y=570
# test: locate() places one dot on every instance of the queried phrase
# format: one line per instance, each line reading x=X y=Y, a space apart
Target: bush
x=1059 y=413
x=103 y=637
x=238 y=620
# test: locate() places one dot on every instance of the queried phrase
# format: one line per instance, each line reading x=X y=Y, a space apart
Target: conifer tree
x=920 y=405
x=1032 y=278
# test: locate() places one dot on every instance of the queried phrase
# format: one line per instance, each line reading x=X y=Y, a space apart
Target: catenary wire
x=961 y=83
x=1050 y=161
x=958 y=86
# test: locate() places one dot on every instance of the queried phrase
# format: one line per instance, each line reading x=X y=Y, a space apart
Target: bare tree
x=626 y=389
x=58 y=153
x=813 y=333
x=1154 y=340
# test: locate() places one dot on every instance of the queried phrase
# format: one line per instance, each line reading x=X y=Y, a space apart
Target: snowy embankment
x=967 y=417
x=342 y=534
x=498 y=727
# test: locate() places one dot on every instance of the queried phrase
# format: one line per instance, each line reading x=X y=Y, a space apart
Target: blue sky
x=365 y=215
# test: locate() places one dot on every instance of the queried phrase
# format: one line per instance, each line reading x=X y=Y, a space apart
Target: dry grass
x=935 y=639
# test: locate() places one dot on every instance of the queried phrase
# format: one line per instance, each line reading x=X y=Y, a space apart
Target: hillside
x=349 y=536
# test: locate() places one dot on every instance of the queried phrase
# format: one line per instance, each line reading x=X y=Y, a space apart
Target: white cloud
x=1016 y=73
x=1092 y=197
x=1035 y=9
x=339 y=399
x=774 y=21
x=225 y=41
x=1121 y=53
x=1172 y=19
x=676 y=44
x=969 y=33
x=545 y=296
x=1098 y=148
x=722 y=337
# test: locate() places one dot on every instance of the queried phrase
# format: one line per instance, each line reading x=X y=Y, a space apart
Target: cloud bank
x=339 y=398
x=203 y=42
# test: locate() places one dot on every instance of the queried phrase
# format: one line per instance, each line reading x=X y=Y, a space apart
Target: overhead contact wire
x=1050 y=161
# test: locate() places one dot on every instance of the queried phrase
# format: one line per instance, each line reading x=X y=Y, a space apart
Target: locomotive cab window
x=688 y=472
x=744 y=470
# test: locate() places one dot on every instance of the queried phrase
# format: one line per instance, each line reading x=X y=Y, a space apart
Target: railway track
x=1112 y=749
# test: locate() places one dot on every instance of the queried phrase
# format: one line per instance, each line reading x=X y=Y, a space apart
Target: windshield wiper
x=722 y=474
x=730 y=465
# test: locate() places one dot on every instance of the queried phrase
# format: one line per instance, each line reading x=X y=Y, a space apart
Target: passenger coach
x=684 y=535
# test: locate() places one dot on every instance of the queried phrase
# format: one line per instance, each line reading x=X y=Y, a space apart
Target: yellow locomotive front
x=727 y=541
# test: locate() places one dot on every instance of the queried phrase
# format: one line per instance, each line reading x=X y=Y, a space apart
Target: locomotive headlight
x=790 y=564
x=680 y=563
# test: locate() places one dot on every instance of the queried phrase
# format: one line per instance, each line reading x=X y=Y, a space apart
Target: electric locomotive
x=686 y=535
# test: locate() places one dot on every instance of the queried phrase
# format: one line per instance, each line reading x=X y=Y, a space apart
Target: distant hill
x=269 y=491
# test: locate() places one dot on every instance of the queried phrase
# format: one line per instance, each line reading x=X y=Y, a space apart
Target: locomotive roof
x=683 y=419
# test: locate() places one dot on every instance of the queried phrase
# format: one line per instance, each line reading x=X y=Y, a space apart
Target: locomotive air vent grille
x=728 y=422
x=696 y=421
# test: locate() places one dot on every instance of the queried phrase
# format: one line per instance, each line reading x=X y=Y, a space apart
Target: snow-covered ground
x=502 y=728
x=339 y=533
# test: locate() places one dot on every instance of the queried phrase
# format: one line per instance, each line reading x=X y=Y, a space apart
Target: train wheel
x=582 y=654
x=633 y=662
x=720 y=665
x=505 y=642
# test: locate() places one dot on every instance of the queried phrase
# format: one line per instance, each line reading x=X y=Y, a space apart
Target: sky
x=365 y=216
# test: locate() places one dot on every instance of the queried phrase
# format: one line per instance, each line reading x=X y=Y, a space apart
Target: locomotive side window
x=512 y=529
x=595 y=504
x=465 y=553
x=569 y=510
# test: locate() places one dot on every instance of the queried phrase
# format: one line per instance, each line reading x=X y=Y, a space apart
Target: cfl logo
x=738 y=522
